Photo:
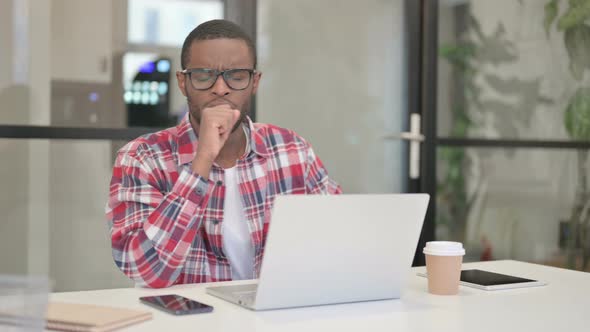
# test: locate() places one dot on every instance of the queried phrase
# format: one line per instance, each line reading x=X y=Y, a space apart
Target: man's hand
x=214 y=130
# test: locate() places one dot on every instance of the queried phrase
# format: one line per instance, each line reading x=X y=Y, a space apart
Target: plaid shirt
x=166 y=221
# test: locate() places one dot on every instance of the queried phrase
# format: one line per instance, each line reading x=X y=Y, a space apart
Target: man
x=192 y=203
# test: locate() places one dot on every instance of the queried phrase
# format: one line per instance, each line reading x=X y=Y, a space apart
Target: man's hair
x=215 y=29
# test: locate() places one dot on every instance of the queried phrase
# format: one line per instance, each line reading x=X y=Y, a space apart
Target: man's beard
x=195 y=111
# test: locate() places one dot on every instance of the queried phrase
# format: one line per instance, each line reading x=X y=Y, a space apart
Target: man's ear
x=181 y=80
x=255 y=81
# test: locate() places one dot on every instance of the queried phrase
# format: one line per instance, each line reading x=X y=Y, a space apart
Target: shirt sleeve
x=317 y=180
x=152 y=230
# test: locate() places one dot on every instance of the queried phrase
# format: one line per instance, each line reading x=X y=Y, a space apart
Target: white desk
x=563 y=305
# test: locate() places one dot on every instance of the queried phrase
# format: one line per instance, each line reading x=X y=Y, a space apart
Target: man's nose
x=220 y=88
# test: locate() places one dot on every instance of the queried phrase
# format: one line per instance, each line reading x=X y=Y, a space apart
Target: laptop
x=328 y=249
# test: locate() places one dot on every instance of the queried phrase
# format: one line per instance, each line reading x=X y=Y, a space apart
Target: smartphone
x=490 y=281
x=176 y=304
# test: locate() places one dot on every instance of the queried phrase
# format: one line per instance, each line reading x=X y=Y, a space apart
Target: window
x=167 y=22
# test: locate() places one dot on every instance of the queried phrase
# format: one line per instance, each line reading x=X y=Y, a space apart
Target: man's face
x=219 y=54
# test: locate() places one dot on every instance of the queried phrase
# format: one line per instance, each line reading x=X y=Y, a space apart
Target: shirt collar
x=188 y=140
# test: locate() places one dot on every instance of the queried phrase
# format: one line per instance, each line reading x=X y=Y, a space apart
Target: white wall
x=335 y=74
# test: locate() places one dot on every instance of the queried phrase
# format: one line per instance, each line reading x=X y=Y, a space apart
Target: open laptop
x=334 y=249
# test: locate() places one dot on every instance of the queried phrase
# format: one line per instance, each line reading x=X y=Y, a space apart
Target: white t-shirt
x=237 y=245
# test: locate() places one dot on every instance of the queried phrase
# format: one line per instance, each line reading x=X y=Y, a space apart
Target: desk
x=562 y=305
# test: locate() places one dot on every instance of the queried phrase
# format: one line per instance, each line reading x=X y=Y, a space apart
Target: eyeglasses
x=204 y=78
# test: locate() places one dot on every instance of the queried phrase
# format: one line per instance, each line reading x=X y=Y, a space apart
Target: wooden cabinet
x=81 y=40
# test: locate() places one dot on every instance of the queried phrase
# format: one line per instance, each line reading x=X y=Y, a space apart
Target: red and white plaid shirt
x=166 y=221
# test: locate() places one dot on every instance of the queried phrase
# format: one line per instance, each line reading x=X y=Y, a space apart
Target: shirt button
x=220 y=183
x=215 y=221
x=200 y=191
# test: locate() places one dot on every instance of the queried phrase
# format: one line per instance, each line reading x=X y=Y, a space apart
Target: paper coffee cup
x=443 y=266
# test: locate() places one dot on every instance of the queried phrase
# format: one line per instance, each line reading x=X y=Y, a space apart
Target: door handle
x=415 y=137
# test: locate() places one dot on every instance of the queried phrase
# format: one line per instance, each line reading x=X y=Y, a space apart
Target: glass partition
x=53 y=199
x=514 y=71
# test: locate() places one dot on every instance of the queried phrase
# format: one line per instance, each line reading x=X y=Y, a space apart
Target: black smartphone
x=176 y=304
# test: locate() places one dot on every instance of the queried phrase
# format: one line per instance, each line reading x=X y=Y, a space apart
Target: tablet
x=487 y=280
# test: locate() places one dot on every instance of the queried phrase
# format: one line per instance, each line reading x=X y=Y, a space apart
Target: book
x=91 y=318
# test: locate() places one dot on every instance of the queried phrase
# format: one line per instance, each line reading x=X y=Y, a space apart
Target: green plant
x=573 y=23
x=451 y=189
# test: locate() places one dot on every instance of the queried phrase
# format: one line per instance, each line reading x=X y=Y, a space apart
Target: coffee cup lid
x=444 y=248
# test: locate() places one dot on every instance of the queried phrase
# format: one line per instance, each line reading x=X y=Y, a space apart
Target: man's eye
x=201 y=77
x=239 y=76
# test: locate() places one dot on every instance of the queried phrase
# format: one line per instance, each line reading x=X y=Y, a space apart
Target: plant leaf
x=551 y=9
x=574 y=3
x=458 y=55
x=577 y=115
x=577 y=13
x=577 y=43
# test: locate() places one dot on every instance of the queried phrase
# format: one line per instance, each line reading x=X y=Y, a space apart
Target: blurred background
x=502 y=87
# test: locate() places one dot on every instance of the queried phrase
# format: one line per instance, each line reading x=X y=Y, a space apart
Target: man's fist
x=214 y=130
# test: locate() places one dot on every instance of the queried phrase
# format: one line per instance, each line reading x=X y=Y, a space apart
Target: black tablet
x=487 y=280
x=493 y=281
